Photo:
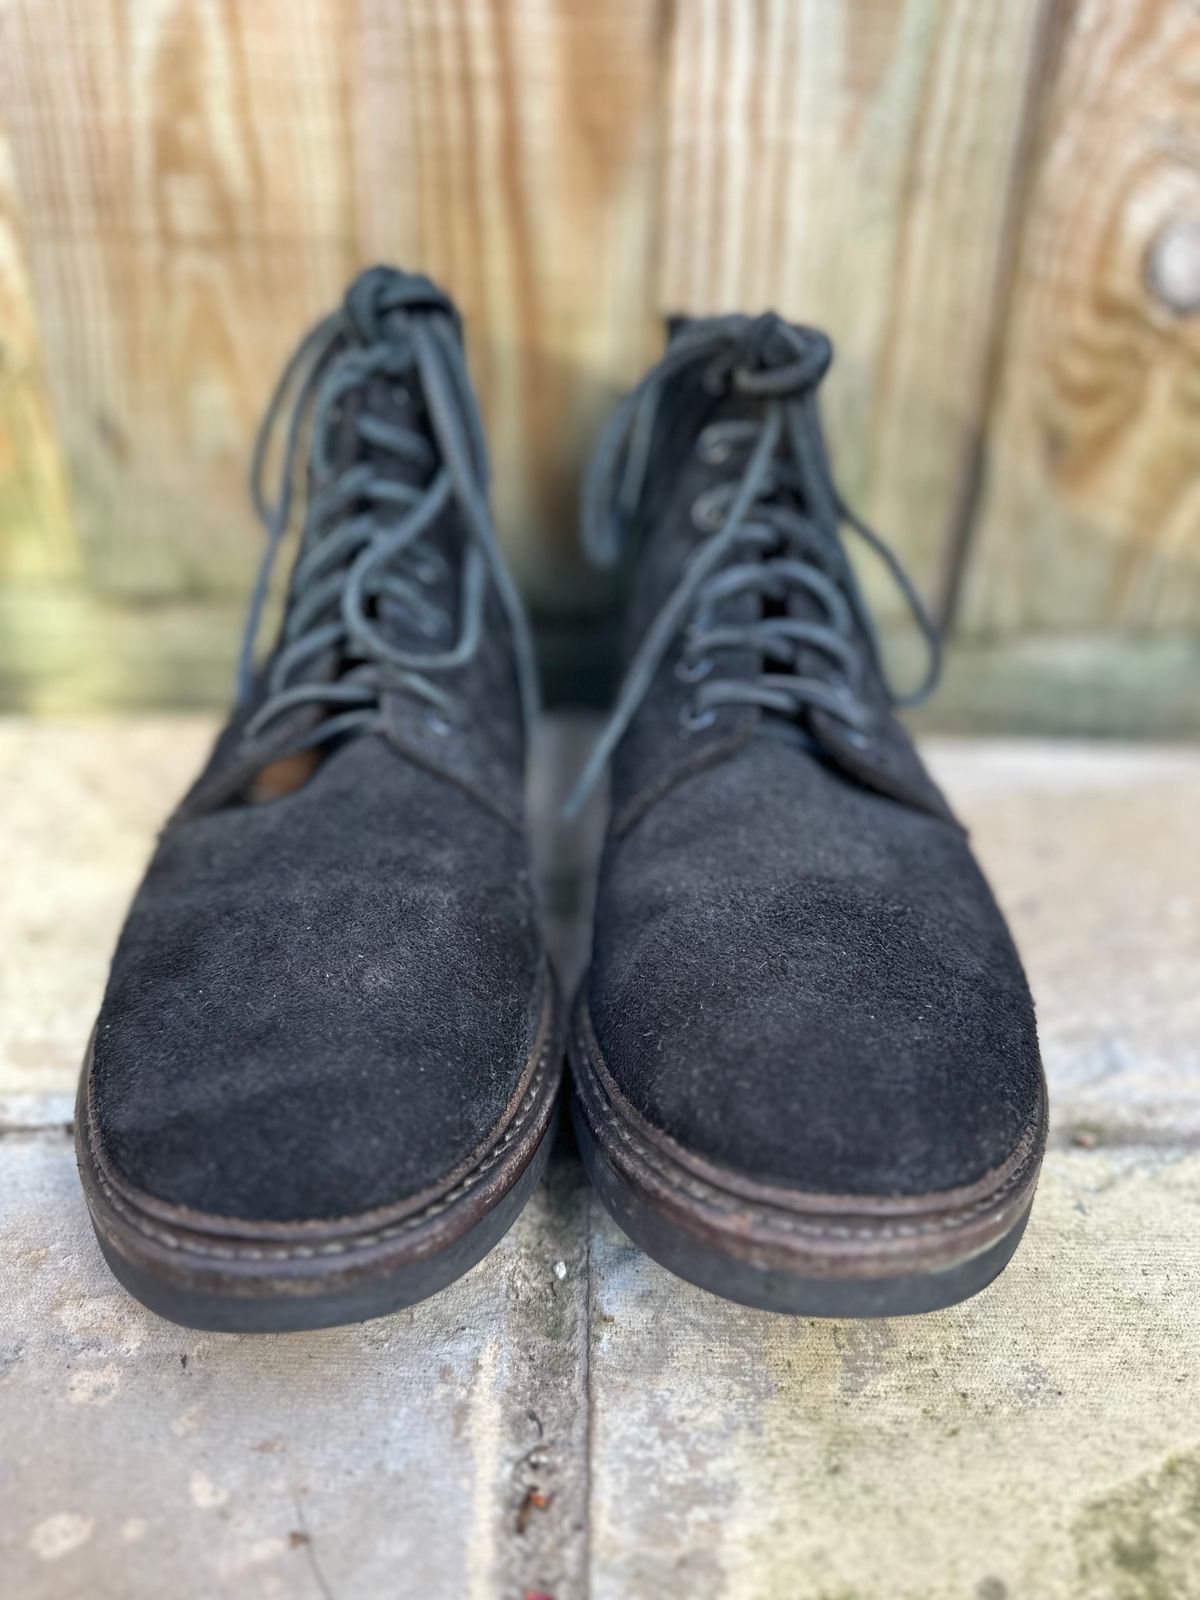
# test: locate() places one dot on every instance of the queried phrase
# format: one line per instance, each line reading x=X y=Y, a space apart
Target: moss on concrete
x=1142 y=1541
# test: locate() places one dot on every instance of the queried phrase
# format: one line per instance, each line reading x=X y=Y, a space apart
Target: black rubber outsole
x=230 y=1276
x=740 y=1251
x=769 y=1289
x=375 y=1295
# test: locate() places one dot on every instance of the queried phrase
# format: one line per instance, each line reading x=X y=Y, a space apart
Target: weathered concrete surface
x=80 y=804
x=1094 y=851
x=140 y=1461
x=1041 y=1441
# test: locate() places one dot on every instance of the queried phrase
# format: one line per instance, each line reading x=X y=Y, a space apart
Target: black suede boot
x=805 y=1059
x=322 y=1079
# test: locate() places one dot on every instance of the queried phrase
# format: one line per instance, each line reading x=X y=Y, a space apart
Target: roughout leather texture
x=324 y=1003
x=799 y=972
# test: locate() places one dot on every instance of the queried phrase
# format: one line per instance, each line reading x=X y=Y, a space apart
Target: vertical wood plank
x=510 y=150
x=1091 y=517
x=183 y=174
x=852 y=166
x=37 y=538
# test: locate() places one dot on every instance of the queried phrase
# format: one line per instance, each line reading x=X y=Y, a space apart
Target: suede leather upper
x=321 y=1004
x=808 y=983
x=799 y=972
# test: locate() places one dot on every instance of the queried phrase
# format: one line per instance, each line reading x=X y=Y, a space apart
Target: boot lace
x=367 y=566
x=772 y=530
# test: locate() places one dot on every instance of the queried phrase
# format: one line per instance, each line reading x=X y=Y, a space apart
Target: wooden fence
x=993 y=205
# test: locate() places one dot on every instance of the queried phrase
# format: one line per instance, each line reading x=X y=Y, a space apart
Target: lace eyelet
x=713 y=452
x=694 y=671
x=427 y=572
x=708 y=511
x=857 y=737
x=693 y=720
x=436 y=723
x=716 y=379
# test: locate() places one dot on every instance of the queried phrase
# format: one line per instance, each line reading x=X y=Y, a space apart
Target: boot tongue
x=380 y=292
x=763 y=336
x=754 y=359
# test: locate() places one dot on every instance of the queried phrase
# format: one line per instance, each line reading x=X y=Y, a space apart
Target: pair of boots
x=323 y=1081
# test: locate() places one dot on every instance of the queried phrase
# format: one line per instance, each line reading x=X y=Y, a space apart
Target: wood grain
x=510 y=149
x=1091 y=517
x=183 y=183
x=201 y=179
x=851 y=165
x=189 y=183
x=36 y=531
